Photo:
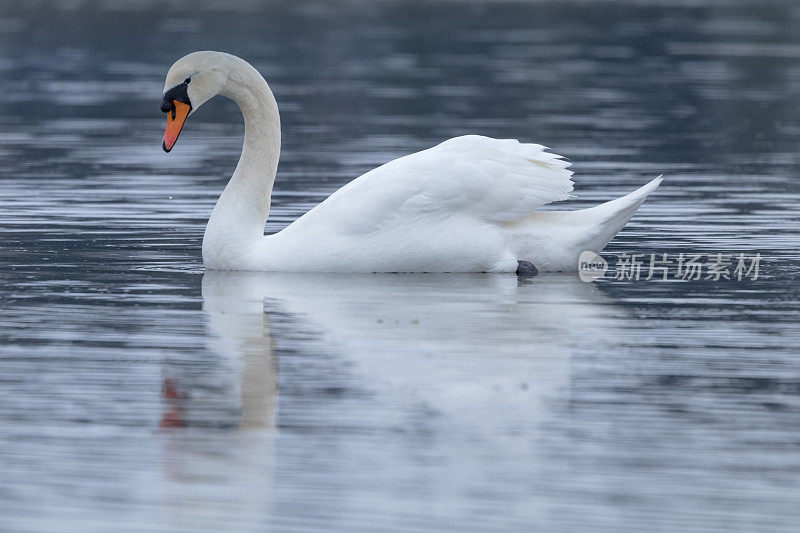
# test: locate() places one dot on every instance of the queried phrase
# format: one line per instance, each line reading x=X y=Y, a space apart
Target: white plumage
x=468 y=204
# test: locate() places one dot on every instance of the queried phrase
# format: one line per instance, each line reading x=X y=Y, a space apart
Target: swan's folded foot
x=526 y=269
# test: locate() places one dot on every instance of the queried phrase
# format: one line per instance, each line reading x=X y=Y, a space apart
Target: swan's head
x=191 y=81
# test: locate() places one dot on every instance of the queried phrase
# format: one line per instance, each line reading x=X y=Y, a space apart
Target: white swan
x=466 y=205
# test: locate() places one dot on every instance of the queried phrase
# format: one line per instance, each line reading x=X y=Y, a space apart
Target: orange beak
x=175 y=119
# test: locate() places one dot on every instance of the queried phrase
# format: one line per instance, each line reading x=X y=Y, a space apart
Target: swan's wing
x=498 y=180
x=494 y=180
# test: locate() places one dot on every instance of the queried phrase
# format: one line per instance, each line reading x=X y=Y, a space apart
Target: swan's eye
x=187 y=80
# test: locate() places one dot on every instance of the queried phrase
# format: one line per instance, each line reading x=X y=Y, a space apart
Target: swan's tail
x=553 y=240
x=609 y=218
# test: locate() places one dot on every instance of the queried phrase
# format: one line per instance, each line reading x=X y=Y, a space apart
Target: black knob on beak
x=178 y=93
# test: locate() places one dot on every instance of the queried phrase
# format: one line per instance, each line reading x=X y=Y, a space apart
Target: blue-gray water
x=139 y=394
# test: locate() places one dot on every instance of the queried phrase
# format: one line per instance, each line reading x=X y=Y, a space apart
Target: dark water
x=139 y=394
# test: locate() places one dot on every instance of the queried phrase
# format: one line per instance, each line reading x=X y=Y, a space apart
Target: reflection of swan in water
x=458 y=368
x=239 y=335
x=471 y=347
x=223 y=452
x=241 y=329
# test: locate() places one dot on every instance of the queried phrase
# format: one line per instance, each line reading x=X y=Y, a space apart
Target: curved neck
x=242 y=209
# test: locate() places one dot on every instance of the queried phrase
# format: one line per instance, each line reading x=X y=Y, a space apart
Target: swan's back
x=490 y=180
x=467 y=204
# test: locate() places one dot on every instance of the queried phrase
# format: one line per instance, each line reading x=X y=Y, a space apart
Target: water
x=140 y=394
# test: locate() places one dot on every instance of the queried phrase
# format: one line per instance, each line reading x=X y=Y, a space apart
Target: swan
x=468 y=204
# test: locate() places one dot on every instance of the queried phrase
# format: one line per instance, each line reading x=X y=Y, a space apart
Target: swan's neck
x=241 y=211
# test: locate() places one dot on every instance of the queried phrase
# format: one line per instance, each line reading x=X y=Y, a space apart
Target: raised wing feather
x=494 y=180
x=498 y=180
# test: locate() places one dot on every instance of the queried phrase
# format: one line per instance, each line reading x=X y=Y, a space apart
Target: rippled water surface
x=138 y=393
